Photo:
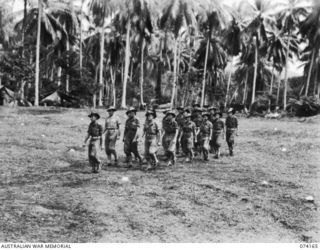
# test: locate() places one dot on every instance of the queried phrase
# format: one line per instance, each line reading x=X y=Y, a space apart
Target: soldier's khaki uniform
x=180 y=120
x=112 y=126
x=170 y=130
x=197 y=119
x=212 y=119
x=187 y=139
x=151 y=131
x=218 y=128
x=164 y=125
x=231 y=126
x=205 y=129
x=95 y=132
x=130 y=146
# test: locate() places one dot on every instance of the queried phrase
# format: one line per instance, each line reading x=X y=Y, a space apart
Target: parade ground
x=268 y=192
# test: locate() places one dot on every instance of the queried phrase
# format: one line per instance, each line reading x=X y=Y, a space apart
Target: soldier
x=112 y=130
x=187 y=137
x=212 y=111
x=205 y=135
x=232 y=129
x=130 y=136
x=197 y=119
x=179 y=120
x=95 y=136
x=218 y=132
x=169 y=139
x=163 y=125
x=152 y=135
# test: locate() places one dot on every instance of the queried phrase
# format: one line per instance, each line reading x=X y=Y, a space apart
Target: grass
x=49 y=195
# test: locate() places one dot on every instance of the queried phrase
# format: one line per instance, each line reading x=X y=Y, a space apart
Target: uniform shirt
x=189 y=128
x=197 y=120
x=112 y=122
x=170 y=127
x=151 y=129
x=180 y=119
x=218 y=125
x=95 y=129
x=231 y=122
x=205 y=128
x=164 y=122
x=131 y=127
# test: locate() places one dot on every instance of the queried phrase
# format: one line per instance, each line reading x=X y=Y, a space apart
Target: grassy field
x=48 y=193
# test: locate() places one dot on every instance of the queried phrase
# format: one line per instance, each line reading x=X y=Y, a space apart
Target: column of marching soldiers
x=194 y=131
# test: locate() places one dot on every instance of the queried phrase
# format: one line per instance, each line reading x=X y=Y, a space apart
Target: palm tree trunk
x=229 y=82
x=174 y=73
x=23 y=84
x=94 y=97
x=309 y=73
x=270 y=91
x=37 y=76
x=81 y=40
x=178 y=68
x=245 y=88
x=59 y=73
x=315 y=81
x=255 y=72
x=286 y=74
x=113 y=80
x=159 y=74
x=67 y=75
x=24 y=25
x=278 y=92
x=126 y=67
x=101 y=64
x=131 y=70
x=205 y=73
x=141 y=72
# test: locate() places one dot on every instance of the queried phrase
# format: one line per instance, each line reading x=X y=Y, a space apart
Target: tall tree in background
x=290 y=12
x=212 y=18
x=143 y=29
x=255 y=34
x=176 y=14
x=37 y=76
x=310 y=30
x=232 y=42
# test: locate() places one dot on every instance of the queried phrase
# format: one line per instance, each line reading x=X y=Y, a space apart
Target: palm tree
x=309 y=29
x=143 y=29
x=101 y=9
x=213 y=18
x=232 y=42
x=277 y=41
x=65 y=14
x=290 y=13
x=36 y=84
x=175 y=15
x=255 y=34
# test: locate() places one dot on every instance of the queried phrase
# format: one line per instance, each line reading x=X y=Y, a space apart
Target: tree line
x=107 y=52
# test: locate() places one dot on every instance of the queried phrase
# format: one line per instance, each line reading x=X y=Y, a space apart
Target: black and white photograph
x=159 y=121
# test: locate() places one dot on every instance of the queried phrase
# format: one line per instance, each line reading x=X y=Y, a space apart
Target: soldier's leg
x=134 y=150
x=127 y=151
x=95 y=157
x=91 y=160
x=178 y=144
x=229 y=138
x=115 y=155
x=206 y=147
